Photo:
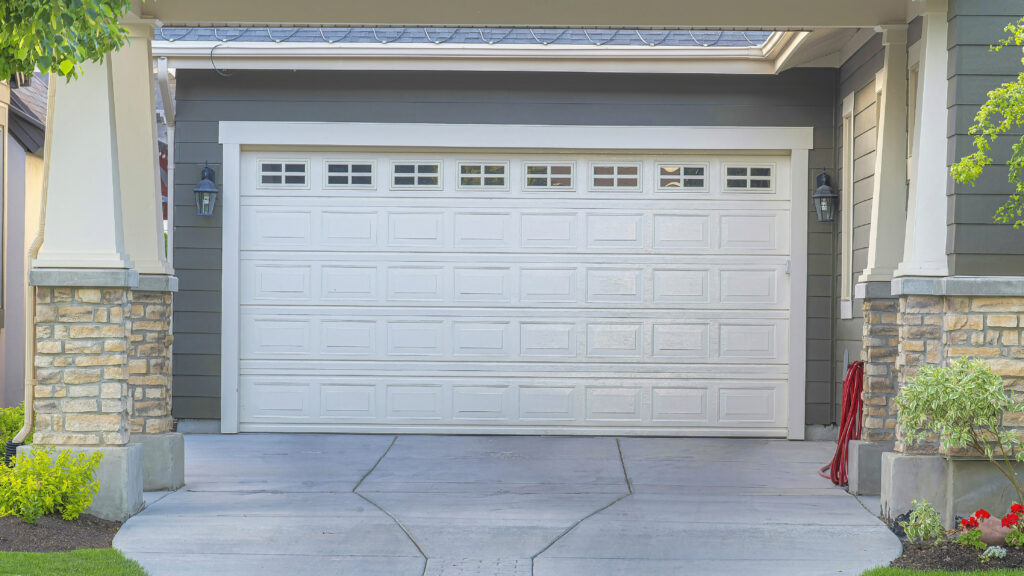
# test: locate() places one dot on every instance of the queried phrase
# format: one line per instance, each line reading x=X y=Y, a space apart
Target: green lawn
x=106 y=562
x=904 y=572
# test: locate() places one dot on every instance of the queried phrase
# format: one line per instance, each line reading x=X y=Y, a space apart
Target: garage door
x=513 y=293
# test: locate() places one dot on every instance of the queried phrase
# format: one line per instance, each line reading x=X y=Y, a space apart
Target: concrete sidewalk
x=468 y=506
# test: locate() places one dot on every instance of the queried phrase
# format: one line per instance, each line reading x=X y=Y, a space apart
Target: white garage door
x=514 y=293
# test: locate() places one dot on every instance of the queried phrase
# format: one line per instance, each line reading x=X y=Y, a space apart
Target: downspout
x=30 y=295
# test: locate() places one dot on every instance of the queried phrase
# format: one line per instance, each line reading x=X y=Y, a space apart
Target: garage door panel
x=640 y=294
x=615 y=403
x=696 y=285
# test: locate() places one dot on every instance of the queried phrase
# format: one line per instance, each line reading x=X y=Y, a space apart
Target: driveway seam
x=625 y=473
x=375 y=464
x=402 y=527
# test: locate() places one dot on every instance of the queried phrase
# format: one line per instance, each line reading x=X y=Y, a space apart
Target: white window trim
x=458 y=175
x=748 y=190
x=795 y=141
x=615 y=166
x=549 y=188
x=681 y=190
x=373 y=174
x=846 y=211
x=282 y=186
x=417 y=186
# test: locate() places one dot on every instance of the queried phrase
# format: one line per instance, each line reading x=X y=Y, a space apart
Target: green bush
x=963 y=405
x=924 y=524
x=47 y=482
x=11 y=420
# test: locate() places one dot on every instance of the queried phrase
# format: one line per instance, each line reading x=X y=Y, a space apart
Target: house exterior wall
x=12 y=342
x=801 y=97
x=975 y=245
x=856 y=77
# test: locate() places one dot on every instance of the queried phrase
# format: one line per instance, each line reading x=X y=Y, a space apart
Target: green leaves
x=924 y=524
x=58 y=35
x=46 y=481
x=1003 y=111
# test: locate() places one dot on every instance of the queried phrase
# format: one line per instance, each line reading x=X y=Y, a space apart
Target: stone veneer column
x=920 y=322
x=149 y=362
x=81 y=392
x=881 y=339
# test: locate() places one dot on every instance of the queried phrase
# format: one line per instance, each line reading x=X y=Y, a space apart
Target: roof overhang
x=598 y=13
x=769 y=58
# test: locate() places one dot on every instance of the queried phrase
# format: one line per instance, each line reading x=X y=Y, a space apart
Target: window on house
x=749 y=178
x=682 y=177
x=416 y=175
x=547 y=176
x=622 y=177
x=283 y=173
x=846 y=213
x=486 y=175
x=348 y=174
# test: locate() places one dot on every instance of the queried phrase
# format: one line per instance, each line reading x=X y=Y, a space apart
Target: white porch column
x=139 y=170
x=924 y=248
x=83 y=190
x=888 y=207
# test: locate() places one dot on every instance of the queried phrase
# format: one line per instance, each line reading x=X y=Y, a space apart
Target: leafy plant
x=1013 y=519
x=58 y=35
x=924 y=524
x=964 y=404
x=11 y=420
x=46 y=482
x=992 y=552
x=972 y=539
x=1003 y=111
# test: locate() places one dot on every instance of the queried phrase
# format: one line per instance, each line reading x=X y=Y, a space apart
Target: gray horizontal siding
x=857 y=77
x=975 y=244
x=802 y=97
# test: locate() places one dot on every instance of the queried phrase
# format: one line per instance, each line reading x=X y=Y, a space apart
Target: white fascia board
x=515 y=136
x=507 y=58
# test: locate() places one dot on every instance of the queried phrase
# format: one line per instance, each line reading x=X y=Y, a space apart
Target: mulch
x=952 y=556
x=54 y=534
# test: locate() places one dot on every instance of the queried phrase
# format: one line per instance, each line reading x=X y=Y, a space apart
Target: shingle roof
x=28 y=113
x=481 y=36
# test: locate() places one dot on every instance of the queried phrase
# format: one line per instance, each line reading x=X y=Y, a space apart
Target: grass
x=105 y=562
x=905 y=572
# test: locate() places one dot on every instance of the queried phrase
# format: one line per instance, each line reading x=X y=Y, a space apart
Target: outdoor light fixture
x=206 y=192
x=824 y=199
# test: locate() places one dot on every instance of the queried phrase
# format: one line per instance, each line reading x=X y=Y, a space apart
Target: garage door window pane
x=682 y=178
x=416 y=175
x=474 y=175
x=548 y=176
x=615 y=177
x=346 y=174
x=280 y=173
x=749 y=178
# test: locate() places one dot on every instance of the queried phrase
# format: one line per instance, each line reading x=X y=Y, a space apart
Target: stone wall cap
x=157 y=283
x=84 y=277
x=868 y=290
x=959 y=286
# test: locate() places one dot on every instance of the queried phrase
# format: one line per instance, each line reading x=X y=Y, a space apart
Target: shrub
x=11 y=420
x=924 y=524
x=47 y=482
x=963 y=404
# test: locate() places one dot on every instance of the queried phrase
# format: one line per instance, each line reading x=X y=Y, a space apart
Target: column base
x=163 y=460
x=976 y=484
x=865 y=467
x=906 y=478
x=120 y=477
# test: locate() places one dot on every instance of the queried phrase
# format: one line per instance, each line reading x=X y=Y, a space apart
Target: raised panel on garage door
x=580 y=294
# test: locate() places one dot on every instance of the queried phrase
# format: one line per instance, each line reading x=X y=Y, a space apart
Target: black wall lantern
x=824 y=199
x=206 y=192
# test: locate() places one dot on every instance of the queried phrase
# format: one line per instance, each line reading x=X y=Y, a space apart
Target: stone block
x=163 y=460
x=120 y=477
x=974 y=484
x=865 y=466
x=908 y=477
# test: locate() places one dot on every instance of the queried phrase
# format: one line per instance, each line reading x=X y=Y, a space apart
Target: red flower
x=982 y=514
x=968 y=523
x=1010 y=520
x=1017 y=508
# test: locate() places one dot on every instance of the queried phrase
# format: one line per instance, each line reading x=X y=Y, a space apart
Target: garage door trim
x=234 y=136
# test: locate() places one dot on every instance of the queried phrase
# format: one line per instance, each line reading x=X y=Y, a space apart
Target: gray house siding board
x=976 y=245
x=914 y=30
x=802 y=97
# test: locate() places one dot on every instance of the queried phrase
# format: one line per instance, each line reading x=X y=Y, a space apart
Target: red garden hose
x=849 y=424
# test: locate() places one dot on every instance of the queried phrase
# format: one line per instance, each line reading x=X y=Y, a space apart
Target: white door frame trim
x=796 y=141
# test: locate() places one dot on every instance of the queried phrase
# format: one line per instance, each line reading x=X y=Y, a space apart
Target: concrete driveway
x=517 y=506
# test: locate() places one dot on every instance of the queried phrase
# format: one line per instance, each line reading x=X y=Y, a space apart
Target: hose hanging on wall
x=849 y=425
